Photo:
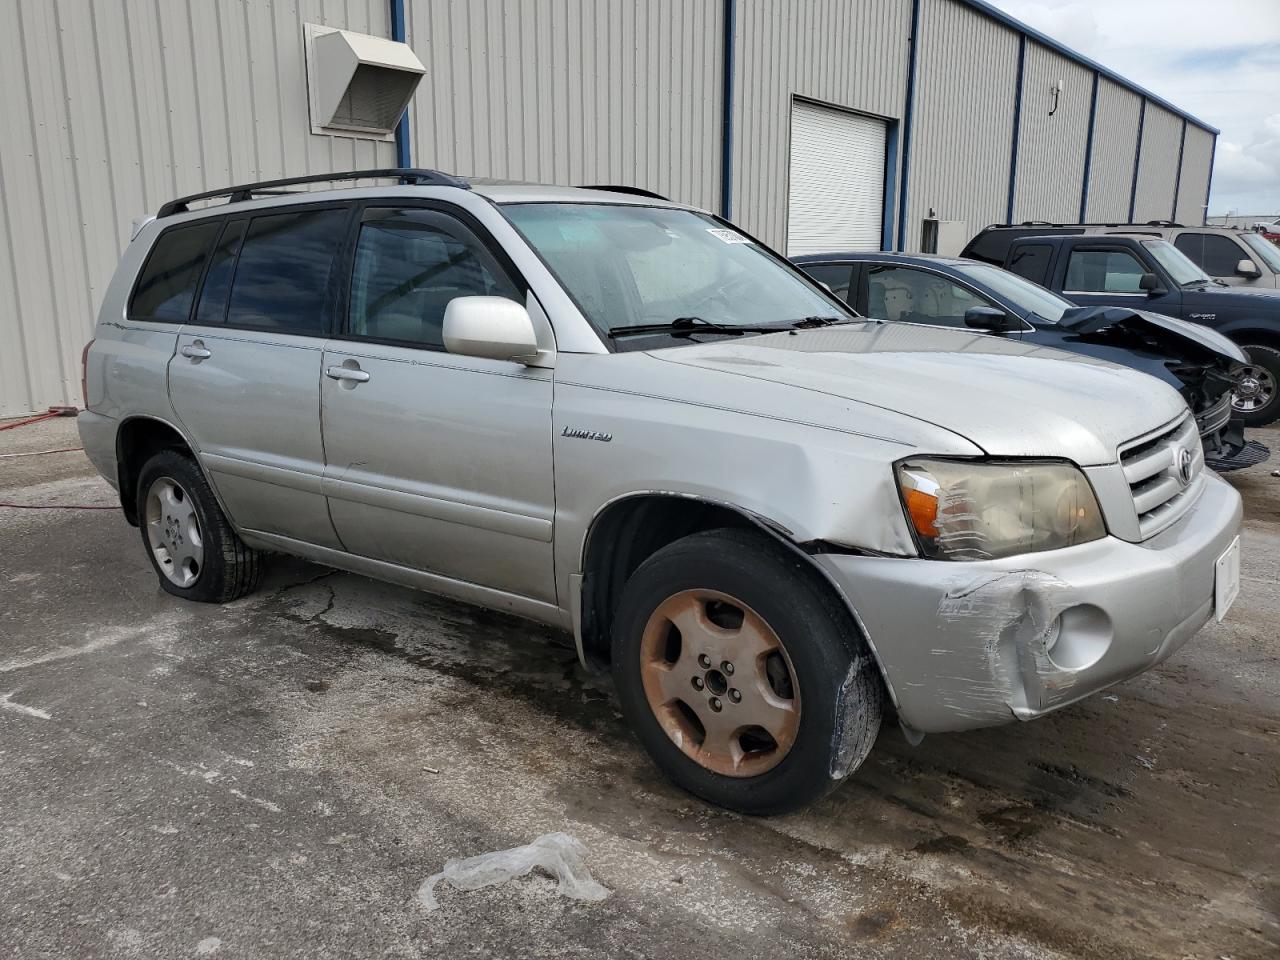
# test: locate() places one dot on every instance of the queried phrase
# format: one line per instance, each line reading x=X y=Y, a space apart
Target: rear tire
x=1258 y=401
x=192 y=548
x=796 y=709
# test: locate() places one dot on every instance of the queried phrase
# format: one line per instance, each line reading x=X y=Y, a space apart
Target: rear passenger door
x=245 y=380
x=435 y=461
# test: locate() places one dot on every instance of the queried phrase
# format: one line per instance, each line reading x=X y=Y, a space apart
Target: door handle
x=196 y=351
x=354 y=374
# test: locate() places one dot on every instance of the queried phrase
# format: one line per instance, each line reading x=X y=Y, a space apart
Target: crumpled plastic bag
x=559 y=854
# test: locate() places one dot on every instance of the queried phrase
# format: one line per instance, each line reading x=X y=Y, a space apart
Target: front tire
x=193 y=549
x=1257 y=399
x=741 y=673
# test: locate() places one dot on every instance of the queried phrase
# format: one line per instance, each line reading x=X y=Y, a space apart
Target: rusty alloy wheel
x=720 y=683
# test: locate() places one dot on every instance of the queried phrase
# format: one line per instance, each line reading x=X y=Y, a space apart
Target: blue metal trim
x=1017 y=125
x=890 y=184
x=1137 y=160
x=1043 y=39
x=1177 y=177
x=402 y=128
x=726 y=130
x=1208 y=187
x=908 y=116
x=1088 y=151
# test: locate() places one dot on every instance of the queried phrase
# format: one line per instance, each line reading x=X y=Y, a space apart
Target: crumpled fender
x=1086 y=320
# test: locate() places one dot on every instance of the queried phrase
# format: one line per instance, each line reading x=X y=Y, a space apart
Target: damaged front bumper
x=967 y=645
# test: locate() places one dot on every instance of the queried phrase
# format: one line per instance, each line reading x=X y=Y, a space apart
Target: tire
x=1261 y=405
x=192 y=548
x=821 y=692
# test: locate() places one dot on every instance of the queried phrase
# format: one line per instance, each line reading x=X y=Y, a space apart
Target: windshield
x=1175 y=261
x=1265 y=249
x=1019 y=291
x=626 y=266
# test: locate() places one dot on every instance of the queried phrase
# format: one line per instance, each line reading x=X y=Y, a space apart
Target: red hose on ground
x=56 y=506
x=47 y=415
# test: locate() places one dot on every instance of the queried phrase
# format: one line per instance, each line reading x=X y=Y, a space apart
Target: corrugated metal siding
x=1051 y=148
x=561 y=91
x=965 y=85
x=851 y=55
x=1115 y=139
x=1158 y=168
x=1193 y=187
x=112 y=107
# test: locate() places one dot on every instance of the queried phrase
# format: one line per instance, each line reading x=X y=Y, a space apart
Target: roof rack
x=622 y=188
x=1045 y=223
x=246 y=191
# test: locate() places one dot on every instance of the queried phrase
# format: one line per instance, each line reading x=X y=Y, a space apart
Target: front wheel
x=1257 y=394
x=741 y=673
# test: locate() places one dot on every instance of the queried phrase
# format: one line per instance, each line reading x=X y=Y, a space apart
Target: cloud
x=1219 y=62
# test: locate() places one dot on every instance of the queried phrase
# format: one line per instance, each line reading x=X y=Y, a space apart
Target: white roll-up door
x=836 y=199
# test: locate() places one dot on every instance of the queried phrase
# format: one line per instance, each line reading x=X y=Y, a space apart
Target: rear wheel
x=742 y=675
x=193 y=549
x=1257 y=395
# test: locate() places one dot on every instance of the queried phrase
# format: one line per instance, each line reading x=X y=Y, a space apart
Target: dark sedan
x=952 y=292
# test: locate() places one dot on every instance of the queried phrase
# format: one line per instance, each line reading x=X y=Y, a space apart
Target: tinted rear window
x=1031 y=260
x=282 y=277
x=993 y=245
x=168 y=282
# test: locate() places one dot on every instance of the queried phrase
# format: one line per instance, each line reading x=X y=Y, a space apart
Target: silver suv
x=626 y=418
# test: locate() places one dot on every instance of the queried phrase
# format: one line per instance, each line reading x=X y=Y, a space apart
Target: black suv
x=1141 y=271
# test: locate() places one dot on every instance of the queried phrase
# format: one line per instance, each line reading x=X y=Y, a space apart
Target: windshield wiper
x=817 y=322
x=684 y=326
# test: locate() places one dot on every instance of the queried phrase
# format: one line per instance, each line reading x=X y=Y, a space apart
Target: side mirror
x=1247 y=268
x=492 y=327
x=1151 y=284
x=992 y=319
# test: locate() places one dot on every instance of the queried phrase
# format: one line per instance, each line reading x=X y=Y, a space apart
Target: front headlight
x=966 y=510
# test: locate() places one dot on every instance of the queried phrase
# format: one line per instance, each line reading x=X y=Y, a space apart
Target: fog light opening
x=1079 y=638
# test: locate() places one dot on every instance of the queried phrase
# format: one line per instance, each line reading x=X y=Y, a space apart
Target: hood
x=1007 y=397
x=1169 y=333
x=1264 y=299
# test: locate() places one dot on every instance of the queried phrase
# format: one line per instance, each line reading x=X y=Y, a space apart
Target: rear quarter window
x=1032 y=261
x=167 y=284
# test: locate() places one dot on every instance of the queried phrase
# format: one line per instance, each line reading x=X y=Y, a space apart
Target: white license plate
x=1226 y=580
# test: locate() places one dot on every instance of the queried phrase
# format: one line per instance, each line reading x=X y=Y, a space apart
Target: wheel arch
x=645 y=522
x=139 y=438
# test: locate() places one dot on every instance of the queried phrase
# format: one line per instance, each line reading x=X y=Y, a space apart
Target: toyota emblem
x=1184 y=461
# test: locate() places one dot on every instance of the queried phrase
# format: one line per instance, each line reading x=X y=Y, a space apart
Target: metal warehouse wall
x=1051 y=148
x=1193 y=184
x=561 y=91
x=1115 y=138
x=112 y=107
x=962 y=141
x=851 y=55
x=1158 y=166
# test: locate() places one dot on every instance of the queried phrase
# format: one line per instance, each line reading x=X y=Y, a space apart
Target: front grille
x=1162 y=492
x=1216 y=417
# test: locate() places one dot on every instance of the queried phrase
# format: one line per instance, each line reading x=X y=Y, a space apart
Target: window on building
x=282 y=278
x=1213 y=253
x=1104 y=271
x=1032 y=261
x=834 y=275
x=916 y=296
x=168 y=282
x=409 y=264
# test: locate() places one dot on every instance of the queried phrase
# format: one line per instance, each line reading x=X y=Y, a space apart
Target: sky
x=1219 y=60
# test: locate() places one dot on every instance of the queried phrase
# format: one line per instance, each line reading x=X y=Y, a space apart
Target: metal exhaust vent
x=357 y=83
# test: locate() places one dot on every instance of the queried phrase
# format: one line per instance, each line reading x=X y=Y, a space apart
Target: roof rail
x=245 y=191
x=1046 y=223
x=622 y=188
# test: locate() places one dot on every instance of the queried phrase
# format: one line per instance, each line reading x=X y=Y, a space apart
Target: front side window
x=834 y=275
x=916 y=296
x=1265 y=250
x=168 y=281
x=409 y=264
x=1027 y=296
x=1213 y=253
x=630 y=265
x=1104 y=271
x=1182 y=270
x=282 y=278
